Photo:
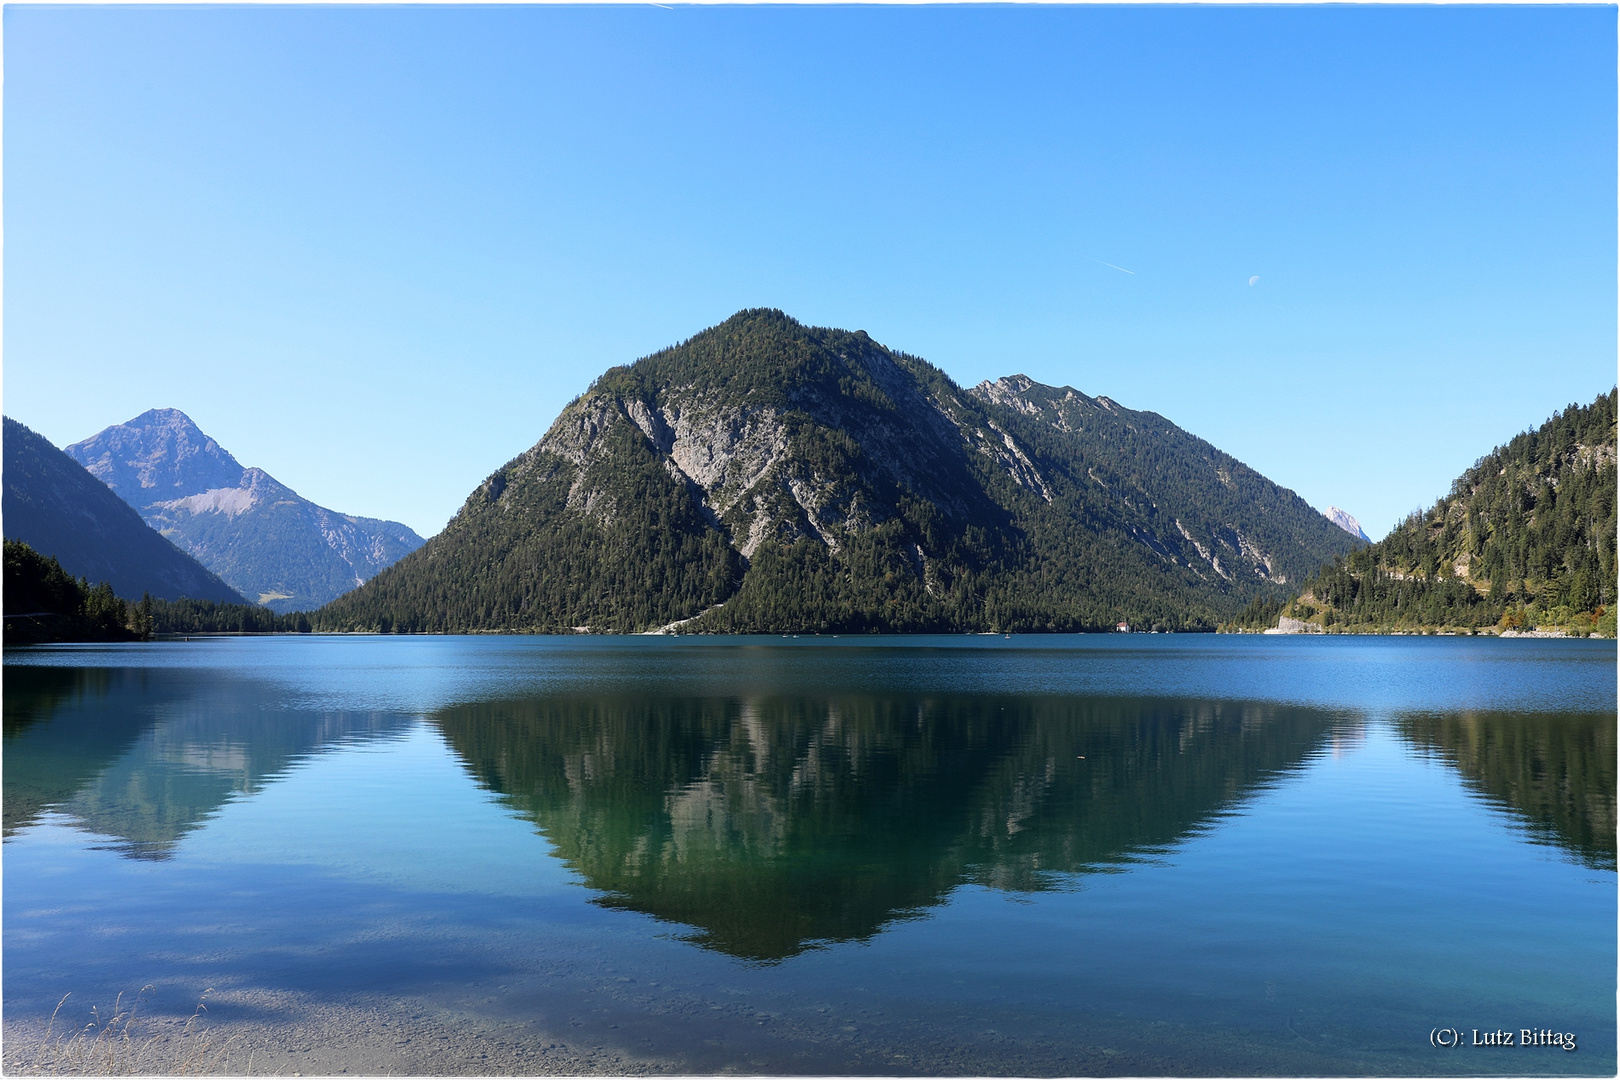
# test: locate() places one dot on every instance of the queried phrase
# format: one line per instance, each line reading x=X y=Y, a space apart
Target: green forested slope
x=765 y=476
x=1525 y=538
x=1120 y=478
x=516 y=558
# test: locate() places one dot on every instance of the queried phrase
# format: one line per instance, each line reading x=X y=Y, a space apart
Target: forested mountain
x=1137 y=474
x=765 y=476
x=258 y=534
x=1525 y=538
x=61 y=511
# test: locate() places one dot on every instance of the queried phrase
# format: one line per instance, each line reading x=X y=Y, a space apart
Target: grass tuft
x=125 y=1043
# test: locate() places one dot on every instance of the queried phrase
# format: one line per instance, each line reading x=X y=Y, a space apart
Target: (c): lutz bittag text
x=1450 y=1037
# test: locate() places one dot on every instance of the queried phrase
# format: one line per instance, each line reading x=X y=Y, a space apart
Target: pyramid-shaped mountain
x=766 y=476
x=276 y=547
x=57 y=508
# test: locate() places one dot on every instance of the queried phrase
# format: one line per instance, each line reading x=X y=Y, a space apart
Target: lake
x=1092 y=855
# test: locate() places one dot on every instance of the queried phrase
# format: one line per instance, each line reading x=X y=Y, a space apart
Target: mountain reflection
x=770 y=825
x=144 y=756
x=1556 y=771
x=49 y=753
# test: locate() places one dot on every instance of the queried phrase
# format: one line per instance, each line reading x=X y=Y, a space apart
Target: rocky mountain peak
x=1346 y=521
x=160 y=455
x=1063 y=407
x=259 y=535
x=779 y=430
x=53 y=504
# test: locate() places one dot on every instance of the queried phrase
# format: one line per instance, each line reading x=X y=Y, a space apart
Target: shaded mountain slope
x=1135 y=474
x=766 y=476
x=44 y=604
x=60 y=510
x=262 y=537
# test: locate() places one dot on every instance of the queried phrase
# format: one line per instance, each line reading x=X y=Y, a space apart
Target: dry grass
x=126 y=1043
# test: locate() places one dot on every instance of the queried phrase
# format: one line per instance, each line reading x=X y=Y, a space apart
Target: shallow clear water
x=1069 y=855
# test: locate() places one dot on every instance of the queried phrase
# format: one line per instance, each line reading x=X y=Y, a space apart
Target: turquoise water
x=1033 y=856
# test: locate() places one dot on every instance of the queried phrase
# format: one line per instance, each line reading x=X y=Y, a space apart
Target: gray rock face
x=158 y=455
x=747 y=464
x=1344 y=520
x=1286 y=625
x=263 y=538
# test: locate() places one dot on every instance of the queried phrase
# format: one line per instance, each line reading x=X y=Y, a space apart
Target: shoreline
x=241 y=1034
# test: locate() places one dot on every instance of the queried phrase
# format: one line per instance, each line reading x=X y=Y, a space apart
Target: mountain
x=1525 y=538
x=1346 y=521
x=53 y=505
x=258 y=534
x=765 y=476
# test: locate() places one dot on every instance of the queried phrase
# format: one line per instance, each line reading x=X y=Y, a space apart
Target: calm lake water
x=1036 y=855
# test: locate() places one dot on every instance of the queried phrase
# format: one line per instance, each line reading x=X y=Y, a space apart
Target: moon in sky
x=1254 y=279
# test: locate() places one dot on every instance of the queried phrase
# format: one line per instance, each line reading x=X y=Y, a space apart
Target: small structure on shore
x=1285 y=625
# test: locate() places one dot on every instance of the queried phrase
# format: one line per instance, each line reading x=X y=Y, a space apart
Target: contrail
x=1110 y=265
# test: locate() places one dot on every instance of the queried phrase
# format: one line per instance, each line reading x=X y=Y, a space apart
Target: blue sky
x=375 y=250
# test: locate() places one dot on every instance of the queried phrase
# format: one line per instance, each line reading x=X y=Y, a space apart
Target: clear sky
x=375 y=250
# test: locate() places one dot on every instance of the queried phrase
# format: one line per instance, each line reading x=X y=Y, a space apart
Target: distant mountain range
x=60 y=510
x=766 y=476
x=264 y=539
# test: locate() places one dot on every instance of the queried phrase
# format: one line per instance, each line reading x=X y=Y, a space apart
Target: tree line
x=44 y=604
